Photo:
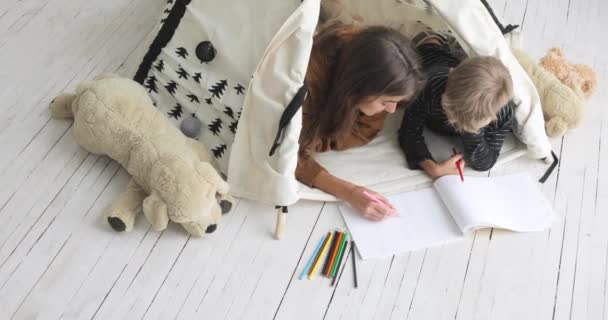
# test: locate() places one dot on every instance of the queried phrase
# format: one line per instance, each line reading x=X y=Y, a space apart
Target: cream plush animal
x=575 y=76
x=563 y=106
x=171 y=174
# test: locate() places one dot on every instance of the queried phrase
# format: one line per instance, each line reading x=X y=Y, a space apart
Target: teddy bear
x=575 y=76
x=172 y=178
x=563 y=105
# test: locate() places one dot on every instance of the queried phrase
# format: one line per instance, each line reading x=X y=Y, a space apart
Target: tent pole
x=281 y=221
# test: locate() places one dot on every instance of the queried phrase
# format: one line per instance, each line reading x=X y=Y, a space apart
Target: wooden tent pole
x=281 y=221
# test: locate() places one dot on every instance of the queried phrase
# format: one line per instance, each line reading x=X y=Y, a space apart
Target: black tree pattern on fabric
x=219 y=151
x=167 y=11
x=151 y=84
x=193 y=98
x=218 y=89
x=181 y=52
x=239 y=89
x=197 y=77
x=184 y=88
x=215 y=126
x=233 y=126
x=182 y=74
x=176 y=112
x=171 y=87
x=160 y=65
x=228 y=111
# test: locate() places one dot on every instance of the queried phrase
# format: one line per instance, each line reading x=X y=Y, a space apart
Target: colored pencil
x=458 y=165
x=352 y=252
x=344 y=258
x=318 y=258
x=331 y=249
x=334 y=254
x=340 y=253
x=312 y=258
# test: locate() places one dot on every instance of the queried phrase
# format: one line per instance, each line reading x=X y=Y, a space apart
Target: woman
x=356 y=76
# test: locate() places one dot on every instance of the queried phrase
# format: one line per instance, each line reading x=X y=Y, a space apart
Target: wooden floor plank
x=60 y=259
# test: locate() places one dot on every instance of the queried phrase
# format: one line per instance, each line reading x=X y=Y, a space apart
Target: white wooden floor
x=59 y=258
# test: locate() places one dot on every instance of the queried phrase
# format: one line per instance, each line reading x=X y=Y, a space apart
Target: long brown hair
x=375 y=61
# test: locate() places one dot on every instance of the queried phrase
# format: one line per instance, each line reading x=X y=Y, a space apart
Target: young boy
x=470 y=99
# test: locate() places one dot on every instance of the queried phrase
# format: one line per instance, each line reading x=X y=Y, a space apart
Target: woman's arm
x=312 y=174
x=354 y=195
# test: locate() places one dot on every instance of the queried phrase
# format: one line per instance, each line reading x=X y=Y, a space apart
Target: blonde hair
x=476 y=90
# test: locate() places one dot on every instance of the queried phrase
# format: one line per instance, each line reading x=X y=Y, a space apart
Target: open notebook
x=449 y=210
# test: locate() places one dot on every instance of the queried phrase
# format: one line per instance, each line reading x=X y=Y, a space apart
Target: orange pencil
x=333 y=254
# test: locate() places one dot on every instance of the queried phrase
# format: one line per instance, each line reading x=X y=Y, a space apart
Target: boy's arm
x=411 y=138
x=481 y=151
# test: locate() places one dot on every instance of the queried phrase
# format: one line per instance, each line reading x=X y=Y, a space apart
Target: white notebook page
x=511 y=202
x=424 y=222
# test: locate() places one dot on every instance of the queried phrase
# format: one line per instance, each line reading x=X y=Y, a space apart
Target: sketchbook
x=448 y=211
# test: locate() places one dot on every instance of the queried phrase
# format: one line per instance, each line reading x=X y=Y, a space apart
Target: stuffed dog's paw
x=120 y=220
x=225 y=201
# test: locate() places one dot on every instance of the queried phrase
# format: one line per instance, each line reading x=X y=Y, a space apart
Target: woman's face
x=375 y=105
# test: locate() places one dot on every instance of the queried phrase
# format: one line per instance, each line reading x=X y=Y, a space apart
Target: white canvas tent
x=239 y=66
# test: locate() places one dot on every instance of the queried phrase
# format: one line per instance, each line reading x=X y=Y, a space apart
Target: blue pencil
x=312 y=259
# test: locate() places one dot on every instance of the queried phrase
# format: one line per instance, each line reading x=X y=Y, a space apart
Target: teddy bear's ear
x=207 y=172
x=557 y=51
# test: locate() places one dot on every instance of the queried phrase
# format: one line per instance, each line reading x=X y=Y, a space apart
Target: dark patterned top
x=481 y=150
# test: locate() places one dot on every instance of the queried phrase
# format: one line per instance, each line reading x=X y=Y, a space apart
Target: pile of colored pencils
x=335 y=245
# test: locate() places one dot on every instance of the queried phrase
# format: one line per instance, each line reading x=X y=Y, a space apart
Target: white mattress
x=381 y=165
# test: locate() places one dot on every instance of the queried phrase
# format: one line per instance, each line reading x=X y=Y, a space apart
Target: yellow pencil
x=316 y=263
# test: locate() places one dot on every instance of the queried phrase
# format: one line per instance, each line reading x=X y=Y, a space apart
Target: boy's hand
x=447 y=167
x=367 y=207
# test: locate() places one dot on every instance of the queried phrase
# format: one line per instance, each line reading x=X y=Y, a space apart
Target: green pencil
x=334 y=270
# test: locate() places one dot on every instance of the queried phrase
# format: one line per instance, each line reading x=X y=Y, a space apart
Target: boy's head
x=476 y=90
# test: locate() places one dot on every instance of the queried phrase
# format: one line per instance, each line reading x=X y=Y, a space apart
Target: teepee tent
x=239 y=66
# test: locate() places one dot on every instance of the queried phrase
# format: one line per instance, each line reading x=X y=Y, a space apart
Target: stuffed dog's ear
x=207 y=172
x=106 y=76
x=61 y=106
x=155 y=210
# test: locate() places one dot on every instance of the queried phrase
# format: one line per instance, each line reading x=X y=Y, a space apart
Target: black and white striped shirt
x=481 y=150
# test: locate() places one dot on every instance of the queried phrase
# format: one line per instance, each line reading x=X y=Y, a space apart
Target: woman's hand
x=445 y=168
x=367 y=207
x=355 y=196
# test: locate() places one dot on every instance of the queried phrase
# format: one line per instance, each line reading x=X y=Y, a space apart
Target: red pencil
x=458 y=165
